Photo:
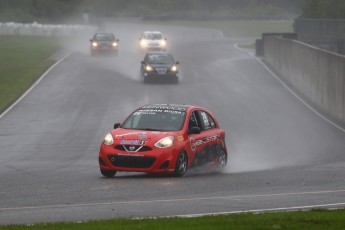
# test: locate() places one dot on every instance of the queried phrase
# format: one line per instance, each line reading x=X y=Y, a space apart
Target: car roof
x=152 y=32
x=107 y=33
x=158 y=52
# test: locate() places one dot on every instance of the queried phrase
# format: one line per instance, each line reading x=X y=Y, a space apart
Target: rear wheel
x=181 y=165
x=107 y=173
x=222 y=158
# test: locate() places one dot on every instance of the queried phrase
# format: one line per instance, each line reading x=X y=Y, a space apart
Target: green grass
x=238 y=28
x=23 y=60
x=316 y=220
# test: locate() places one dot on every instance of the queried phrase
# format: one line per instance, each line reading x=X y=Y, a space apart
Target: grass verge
x=299 y=220
x=23 y=60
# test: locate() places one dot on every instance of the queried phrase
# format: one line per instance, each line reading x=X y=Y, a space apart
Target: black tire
x=107 y=173
x=145 y=80
x=223 y=158
x=181 y=165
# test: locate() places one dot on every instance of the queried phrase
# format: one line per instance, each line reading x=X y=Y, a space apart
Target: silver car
x=152 y=40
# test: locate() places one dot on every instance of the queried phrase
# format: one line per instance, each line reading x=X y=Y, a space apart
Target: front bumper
x=152 y=161
x=104 y=49
x=157 y=75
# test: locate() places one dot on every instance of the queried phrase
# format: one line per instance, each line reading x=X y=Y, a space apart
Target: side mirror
x=165 y=39
x=195 y=130
x=177 y=62
x=117 y=125
x=91 y=40
x=117 y=40
x=142 y=62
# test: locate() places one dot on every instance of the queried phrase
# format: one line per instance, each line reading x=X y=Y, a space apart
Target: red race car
x=164 y=138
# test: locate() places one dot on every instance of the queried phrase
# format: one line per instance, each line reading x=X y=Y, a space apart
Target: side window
x=207 y=120
x=193 y=121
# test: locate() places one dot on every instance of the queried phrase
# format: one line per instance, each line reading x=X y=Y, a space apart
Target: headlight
x=163 y=43
x=143 y=43
x=166 y=142
x=108 y=139
x=148 y=68
x=174 y=68
x=114 y=44
x=94 y=44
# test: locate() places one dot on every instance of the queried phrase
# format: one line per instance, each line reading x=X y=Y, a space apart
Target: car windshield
x=160 y=59
x=152 y=36
x=155 y=119
x=104 y=37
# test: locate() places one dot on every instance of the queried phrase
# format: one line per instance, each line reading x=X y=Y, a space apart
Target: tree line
x=65 y=10
x=326 y=9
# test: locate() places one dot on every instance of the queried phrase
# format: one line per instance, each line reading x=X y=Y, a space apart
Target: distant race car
x=164 y=139
x=152 y=40
x=159 y=65
x=104 y=43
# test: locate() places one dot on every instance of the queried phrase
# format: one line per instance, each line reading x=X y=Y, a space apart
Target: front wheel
x=107 y=173
x=181 y=165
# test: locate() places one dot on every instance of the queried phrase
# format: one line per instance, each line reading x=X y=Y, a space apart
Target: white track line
x=32 y=87
x=308 y=207
x=290 y=90
x=182 y=200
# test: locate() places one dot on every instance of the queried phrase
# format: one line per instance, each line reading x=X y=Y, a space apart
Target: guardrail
x=36 y=29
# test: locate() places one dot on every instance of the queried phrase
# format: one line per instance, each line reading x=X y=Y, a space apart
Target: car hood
x=153 y=40
x=141 y=135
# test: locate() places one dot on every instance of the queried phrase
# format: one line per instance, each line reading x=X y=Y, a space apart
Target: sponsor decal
x=165 y=107
x=155 y=111
x=194 y=143
x=142 y=136
x=132 y=142
x=180 y=138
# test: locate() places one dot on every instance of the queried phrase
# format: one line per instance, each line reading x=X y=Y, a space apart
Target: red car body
x=164 y=138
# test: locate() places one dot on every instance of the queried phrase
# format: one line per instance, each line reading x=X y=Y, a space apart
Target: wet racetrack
x=282 y=155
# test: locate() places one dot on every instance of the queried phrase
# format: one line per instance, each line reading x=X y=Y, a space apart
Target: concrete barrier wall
x=316 y=74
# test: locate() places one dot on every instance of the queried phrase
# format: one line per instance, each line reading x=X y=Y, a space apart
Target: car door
x=206 y=141
x=198 y=141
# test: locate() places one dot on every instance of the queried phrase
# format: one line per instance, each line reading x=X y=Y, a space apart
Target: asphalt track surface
x=282 y=155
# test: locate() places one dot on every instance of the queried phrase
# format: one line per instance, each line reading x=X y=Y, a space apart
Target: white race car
x=152 y=40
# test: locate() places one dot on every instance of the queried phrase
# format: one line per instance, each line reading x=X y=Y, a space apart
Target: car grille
x=131 y=161
x=161 y=70
x=133 y=148
x=105 y=45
